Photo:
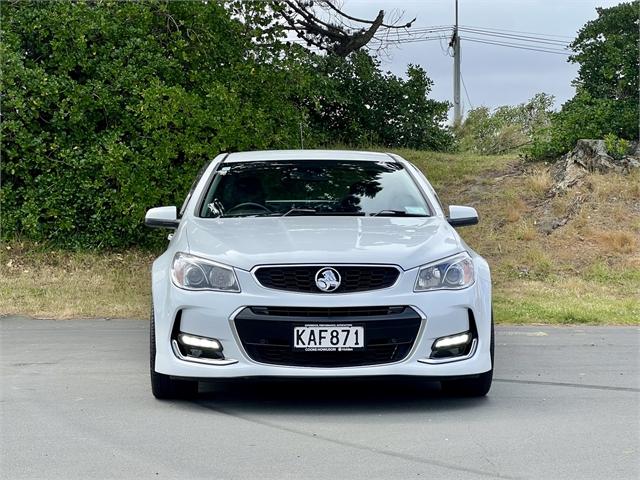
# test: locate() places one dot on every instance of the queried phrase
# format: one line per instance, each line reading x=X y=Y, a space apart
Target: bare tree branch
x=363 y=20
x=336 y=31
x=359 y=39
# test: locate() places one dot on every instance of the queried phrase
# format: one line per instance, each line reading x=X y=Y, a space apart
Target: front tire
x=163 y=386
x=472 y=387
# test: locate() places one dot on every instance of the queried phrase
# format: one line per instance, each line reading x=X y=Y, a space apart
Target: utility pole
x=455 y=43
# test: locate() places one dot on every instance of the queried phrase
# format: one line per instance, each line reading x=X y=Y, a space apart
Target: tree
x=606 y=100
x=606 y=49
x=357 y=104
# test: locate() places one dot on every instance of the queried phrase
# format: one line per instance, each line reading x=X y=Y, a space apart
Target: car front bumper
x=212 y=314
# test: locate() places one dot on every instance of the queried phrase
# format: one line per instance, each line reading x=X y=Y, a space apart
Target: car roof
x=274 y=155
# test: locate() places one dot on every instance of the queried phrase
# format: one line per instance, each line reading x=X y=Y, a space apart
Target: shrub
x=616 y=147
x=507 y=128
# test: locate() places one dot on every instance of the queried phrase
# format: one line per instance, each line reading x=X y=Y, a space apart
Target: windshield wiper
x=397 y=213
x=311 y=211
x=299 y=210
x=240 y=215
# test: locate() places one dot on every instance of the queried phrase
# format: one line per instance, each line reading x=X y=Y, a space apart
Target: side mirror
x=460 y=216
x=162 y=217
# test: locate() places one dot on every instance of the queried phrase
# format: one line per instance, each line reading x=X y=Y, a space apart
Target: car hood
x=247 y=242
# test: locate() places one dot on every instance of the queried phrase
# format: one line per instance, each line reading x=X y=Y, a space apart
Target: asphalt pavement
x=76 y=404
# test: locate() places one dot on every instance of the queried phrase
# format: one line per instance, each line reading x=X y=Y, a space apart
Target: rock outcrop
x=590 y=156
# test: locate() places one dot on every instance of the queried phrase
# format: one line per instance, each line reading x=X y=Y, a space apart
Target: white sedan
x=317 y=263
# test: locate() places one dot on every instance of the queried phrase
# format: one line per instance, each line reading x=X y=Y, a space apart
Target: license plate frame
x=351 y=337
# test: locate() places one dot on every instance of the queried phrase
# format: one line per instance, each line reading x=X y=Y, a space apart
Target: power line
x=416 y=33
x=530 y=41
x=516 y=45
x=464 y=85
x=523 y=42
x=427 y=28
x=415 y=40
x=521 y=38
x=537 y=42
x=524 y=46
x=500 y=30
x=542 y=44
x=445 y=50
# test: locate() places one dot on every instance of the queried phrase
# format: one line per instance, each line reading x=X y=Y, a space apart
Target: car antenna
x=301 y=138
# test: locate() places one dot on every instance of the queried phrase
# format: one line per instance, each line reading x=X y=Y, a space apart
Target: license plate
x=328 y=338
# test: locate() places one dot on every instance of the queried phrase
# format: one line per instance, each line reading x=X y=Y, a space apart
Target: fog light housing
x=200 y=347
x=452 y=345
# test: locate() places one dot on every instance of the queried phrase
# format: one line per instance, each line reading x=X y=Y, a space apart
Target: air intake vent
x=266 y=334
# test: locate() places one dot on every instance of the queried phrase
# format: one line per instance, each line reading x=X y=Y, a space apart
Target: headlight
x=195 y=273
x=452 y=273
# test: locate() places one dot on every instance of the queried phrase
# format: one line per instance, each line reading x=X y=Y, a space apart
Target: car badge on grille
x=328 y=279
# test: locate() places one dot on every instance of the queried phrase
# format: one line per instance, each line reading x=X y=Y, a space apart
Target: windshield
x=313 y=187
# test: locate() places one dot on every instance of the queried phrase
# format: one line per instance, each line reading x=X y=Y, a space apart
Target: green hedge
x=111 y=107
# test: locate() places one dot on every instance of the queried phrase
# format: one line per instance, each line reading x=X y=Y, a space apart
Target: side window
x=193 y=187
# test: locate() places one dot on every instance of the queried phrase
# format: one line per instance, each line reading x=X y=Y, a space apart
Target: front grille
x=266 y=334
x=302 y=278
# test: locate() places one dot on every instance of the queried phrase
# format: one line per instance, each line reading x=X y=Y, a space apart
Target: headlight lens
x=452 y=273
x=195 y=273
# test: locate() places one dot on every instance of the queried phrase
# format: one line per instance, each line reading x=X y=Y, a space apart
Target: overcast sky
x=494 y=75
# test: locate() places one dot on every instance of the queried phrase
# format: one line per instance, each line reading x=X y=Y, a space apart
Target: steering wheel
x=240 y=206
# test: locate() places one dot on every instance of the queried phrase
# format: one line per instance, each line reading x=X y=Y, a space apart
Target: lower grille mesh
x=266 y=334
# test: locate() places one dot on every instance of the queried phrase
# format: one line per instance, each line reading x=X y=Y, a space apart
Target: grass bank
x=46 y=283
x=568 y=259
